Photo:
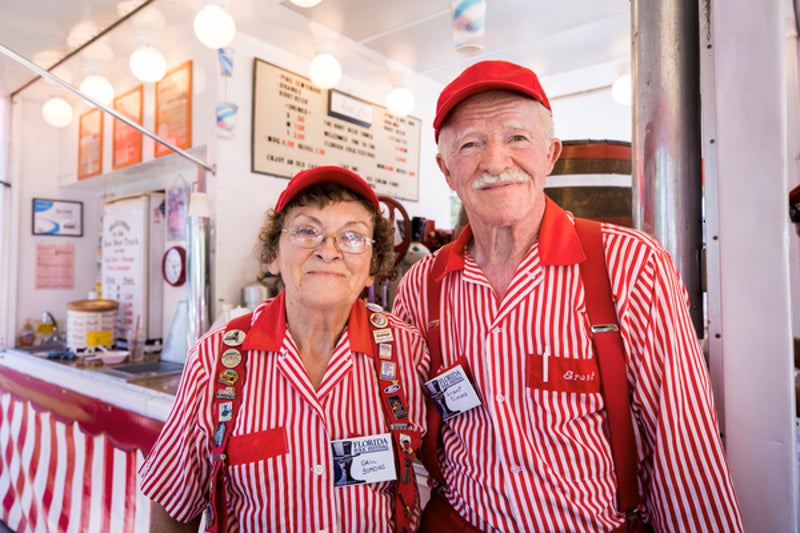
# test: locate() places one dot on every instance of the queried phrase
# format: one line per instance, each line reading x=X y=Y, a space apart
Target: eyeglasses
x=348 y=241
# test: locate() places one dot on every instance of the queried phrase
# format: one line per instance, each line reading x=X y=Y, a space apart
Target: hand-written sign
x=297 y=125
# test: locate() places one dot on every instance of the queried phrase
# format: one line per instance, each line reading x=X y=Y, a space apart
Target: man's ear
x=443 y=168
x=554 y=152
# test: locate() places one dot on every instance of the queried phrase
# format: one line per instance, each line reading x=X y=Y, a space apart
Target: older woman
x=305 y=415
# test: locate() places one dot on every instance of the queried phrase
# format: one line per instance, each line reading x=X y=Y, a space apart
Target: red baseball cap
x=327 y=174
x=487 y=76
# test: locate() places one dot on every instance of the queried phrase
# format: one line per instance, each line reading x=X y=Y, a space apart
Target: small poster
x=127 y=140
x=55 y=266
x=177 y=210
x=90 y=144
x=174 y=108
x=363 y=460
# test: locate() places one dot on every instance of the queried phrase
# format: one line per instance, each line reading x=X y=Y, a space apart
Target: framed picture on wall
x=174 y=108
x=90 y=144
x=57 y=217
x=127 y=141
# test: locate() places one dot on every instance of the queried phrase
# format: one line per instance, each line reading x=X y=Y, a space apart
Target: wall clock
x=173 y=266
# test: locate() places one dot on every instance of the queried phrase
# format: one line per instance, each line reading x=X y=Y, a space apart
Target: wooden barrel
x=592 y=179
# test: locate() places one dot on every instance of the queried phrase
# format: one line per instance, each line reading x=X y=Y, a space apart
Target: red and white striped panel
x=68 y=461
x=55 y=477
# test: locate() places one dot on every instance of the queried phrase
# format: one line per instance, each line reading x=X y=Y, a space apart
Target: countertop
x=151 y=397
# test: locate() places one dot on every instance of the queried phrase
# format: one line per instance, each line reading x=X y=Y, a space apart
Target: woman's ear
x=273 y=267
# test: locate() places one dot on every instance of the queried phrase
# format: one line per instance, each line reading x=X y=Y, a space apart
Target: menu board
x=297 y=125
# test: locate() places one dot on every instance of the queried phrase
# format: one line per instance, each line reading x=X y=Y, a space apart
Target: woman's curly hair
x=321 y=195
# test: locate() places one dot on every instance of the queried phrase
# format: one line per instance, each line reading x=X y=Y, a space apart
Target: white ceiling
x=563 y=40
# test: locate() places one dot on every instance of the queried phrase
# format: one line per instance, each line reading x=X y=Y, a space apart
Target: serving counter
x=71 y=442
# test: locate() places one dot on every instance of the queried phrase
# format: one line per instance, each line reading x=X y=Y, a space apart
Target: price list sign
x=297 y=126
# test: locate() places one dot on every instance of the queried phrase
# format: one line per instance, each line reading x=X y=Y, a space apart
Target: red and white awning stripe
x=55 y=475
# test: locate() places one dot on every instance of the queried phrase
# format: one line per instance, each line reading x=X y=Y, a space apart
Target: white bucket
x=90 y=323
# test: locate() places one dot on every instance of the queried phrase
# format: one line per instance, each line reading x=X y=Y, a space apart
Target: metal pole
x=40 y=71
x=667 y=165
x=197 y=268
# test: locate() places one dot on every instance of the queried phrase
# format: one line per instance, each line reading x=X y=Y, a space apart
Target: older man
x=511 y=319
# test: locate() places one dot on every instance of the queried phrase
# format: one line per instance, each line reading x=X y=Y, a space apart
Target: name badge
x=363 y=460
x=452 y=392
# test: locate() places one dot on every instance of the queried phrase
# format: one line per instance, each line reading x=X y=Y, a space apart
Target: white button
x=517 y=469
x=498 y=330
x=500 y=398
x=319 y=469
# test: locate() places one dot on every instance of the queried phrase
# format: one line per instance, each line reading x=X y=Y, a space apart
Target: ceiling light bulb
x=306 y=3
x=400 y=101
x=57 y=112
x=214 y=27
x=621 y=90
x=98 y=88
x=325 y=71
x=148 y=64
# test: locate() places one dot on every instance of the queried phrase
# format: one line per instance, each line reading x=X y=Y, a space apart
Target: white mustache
x=506 y=176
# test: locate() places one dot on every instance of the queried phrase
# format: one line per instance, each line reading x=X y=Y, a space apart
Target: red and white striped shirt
x=285 y=429
x=535 y=456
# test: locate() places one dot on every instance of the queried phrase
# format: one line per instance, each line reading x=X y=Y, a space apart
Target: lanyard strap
x=429 y=452
x=230 y=376
x=393 y=399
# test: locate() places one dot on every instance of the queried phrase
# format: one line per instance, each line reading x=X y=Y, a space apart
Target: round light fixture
x=306 y=3
x=98 y=88
x=57 y=112
x=621 y=90
x=148 y=64
x=214 y=27
x=325 y=71
x=400 y=101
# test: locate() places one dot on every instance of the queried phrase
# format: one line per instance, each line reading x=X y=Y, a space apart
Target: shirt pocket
x=252 y=447
x=561 y=374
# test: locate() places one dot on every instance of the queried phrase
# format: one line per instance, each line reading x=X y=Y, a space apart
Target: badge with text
x=363 y=460
x=452 y=392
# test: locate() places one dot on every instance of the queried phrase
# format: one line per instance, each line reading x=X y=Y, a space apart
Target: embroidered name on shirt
x=549 y=371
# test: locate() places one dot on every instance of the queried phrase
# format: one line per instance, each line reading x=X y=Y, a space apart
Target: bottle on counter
x=27 y=335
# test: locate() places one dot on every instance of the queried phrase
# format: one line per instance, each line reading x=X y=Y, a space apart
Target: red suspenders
x=611 y=362
x=228 y=386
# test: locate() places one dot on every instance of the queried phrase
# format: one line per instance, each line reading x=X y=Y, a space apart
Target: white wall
x=744 y=139
x=592 y=115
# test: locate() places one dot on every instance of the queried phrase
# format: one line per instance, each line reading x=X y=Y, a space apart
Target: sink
x=43 y=349
x=144 y=370
x=168 y=384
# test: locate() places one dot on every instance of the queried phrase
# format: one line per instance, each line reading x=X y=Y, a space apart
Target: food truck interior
x=141 y=142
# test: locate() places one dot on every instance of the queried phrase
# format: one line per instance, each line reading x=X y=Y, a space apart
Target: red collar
x=558 y=242
x=269 y=328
